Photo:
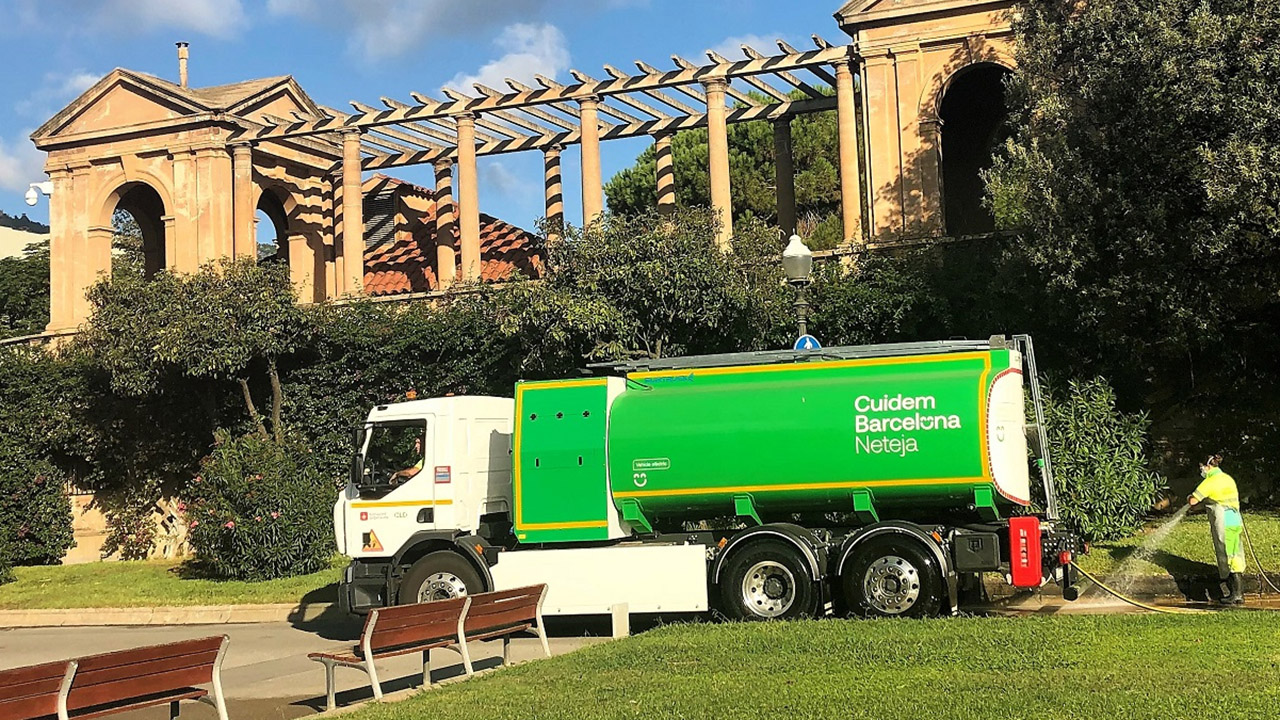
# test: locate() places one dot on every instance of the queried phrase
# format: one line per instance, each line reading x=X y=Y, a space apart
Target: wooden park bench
x=35 y=691
x=117 y=682
x=401 y=630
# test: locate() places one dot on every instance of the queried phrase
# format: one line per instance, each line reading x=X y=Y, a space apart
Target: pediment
x=859 y=11
x=279 y=101
x=119 y=100
x=866 y=7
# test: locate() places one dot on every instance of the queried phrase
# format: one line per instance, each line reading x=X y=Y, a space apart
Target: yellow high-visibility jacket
x=1218 y=487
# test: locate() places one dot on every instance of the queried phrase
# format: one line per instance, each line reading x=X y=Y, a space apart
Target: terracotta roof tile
x=406 y=263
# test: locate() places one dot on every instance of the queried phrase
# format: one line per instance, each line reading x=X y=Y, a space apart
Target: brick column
x=352 y=278
x=244 y=242
x=718 y=148
x=850 y=188
x=468 y=198
x=592 y=185
x=553 y=186
x=446 y=225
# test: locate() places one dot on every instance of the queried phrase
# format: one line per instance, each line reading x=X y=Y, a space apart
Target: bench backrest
x=402 y=626
x=32 y=692
x=116 y=677
x=505 y=608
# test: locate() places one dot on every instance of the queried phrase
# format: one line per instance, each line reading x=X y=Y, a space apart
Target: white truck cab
x=428 y=473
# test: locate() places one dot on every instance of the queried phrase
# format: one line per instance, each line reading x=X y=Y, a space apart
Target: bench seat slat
x=135 y=655
x=30 y=708
x=397 y=621
x=493 y=632
x=126 y=689
x=505 y=616
x=413 y=636
x=22 y=681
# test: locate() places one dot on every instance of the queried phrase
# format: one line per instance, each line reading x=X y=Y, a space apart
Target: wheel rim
x=768 y=589
x=891 y=585
x=441 y=586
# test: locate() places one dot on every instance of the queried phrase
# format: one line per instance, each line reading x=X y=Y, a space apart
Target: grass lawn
x=1219 y=666
x=1188 y=551
x=155 y=583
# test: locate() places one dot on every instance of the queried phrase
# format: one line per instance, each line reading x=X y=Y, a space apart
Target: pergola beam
x=650 y=127
x=677 y=78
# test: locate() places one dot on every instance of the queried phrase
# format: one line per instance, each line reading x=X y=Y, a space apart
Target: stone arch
x=970 y=112
x=147 y=206
x=277 y=205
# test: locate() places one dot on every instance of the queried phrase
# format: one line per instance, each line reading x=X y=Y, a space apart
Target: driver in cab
x=400 y=476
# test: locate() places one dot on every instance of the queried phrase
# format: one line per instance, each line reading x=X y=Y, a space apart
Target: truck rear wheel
x=767 y=580
x=892 y=576
x=441 y=575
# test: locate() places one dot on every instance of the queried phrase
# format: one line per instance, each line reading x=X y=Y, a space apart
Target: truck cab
x=427 y=473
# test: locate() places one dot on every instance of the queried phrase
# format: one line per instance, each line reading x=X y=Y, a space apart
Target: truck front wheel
x=441 y=575
x=892 y=576
x=767 y=581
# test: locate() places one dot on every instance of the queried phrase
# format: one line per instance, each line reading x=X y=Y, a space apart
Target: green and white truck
x=877 y=480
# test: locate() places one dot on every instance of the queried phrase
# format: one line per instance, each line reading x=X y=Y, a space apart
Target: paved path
x=266 y=674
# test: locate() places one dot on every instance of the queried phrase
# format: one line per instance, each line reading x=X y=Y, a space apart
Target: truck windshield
x=396 y=453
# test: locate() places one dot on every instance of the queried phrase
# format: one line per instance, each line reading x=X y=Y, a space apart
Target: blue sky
x=341 y=50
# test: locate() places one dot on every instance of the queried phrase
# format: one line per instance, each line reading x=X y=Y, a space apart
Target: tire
x=892 y=576
x=440 y=575
x=768 y=580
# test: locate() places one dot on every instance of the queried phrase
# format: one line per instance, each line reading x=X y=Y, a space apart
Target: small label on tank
x=651 y=464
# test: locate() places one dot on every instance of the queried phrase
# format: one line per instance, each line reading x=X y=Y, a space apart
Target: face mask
x=1204 y=472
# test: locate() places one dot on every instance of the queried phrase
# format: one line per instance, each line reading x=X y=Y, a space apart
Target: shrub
x=6 y=562
x=35 y=516
x=260 y=509
x=1099 y=459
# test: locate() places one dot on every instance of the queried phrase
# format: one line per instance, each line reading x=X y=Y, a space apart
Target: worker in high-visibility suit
x=1222 y=500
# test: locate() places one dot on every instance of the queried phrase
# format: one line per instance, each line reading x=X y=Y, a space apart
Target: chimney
x=182 y=63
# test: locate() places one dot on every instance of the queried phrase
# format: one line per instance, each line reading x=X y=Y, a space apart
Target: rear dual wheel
x=892 y=576
x=768 y=580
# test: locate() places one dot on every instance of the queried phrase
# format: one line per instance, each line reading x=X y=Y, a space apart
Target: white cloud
x=731 y=47
x=20 y=165
x=215 y=18
x=532 y=50
x=56 y=90
x=497 y=178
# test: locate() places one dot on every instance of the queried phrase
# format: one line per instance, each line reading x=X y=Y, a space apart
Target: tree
x=24 y=292
x=815 y=153
x=1144 y=176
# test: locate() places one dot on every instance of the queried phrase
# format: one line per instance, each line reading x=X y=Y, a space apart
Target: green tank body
x=877 y=436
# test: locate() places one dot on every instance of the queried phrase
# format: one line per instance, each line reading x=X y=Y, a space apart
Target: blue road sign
x=808 y=342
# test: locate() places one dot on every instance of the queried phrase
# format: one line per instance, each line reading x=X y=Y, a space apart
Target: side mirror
x=357 y=460
x=357 y=437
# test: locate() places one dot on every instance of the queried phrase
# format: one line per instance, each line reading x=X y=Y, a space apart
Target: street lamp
x=797 y=261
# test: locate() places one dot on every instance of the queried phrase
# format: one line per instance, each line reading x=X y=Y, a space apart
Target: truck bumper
x=365 y=585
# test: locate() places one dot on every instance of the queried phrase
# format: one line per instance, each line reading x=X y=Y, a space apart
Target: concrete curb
x=177 y=615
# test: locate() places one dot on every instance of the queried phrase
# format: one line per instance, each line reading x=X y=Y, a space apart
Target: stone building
x=918 y=95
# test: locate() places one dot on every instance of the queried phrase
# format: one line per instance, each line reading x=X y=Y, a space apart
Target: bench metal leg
x=373 y=678
x=542 y=635
x=426 y=668
x=466 y=657
x=506 y=649
x=330 y=702
x=173 y=710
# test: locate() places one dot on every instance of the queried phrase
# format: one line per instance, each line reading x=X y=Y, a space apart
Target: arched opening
x=272 y=221
x=973 y=116
x=137 y=237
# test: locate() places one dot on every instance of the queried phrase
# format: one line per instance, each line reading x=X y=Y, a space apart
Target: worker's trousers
x=1226 y=525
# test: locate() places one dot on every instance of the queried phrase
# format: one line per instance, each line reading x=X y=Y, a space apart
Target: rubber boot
x=1235 y=588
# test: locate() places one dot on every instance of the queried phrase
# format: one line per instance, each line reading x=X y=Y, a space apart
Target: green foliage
x=882 y=300
x=659 y=286
x=1105 y=487
x=24 y=292
x=1144 y=173
x=6 y=560
x=35 y=515
x=260 y=509
x=815 y=154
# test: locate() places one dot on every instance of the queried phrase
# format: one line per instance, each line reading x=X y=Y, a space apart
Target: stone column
x=554 y=188
x=718 y=148
x=352 y=278
x=850 y=188
x=244 y=241
x=468 y=198
x=665 y=172
x=784 y=175
x=446 y=225
x=592 y=187
x=60 y=252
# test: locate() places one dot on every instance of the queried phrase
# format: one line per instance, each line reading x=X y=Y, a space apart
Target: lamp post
x=797 y=261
